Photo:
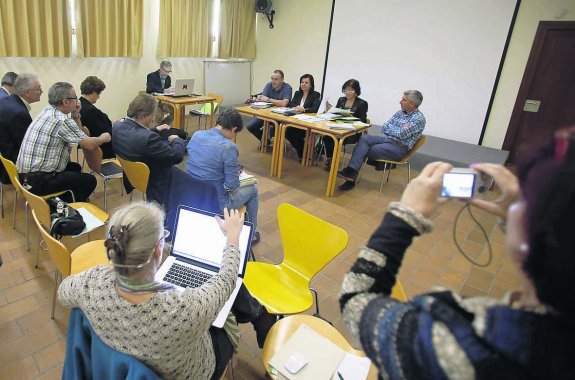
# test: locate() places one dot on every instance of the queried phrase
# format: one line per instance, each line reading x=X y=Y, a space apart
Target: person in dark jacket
x=305 y=100
x=528 y=334
x=92 y=118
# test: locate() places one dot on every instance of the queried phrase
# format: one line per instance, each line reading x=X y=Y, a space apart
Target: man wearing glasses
x=44 y=159
x=160 y=82
x=278 y=93
x=15 y=117
x=398 y=135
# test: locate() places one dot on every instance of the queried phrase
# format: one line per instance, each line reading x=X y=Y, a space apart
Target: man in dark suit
x=7 y=84
x=15 y=117
x=160 y=82
x=133 y=140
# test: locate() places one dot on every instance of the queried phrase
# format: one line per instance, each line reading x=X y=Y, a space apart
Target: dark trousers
x=255 y=128
x=329 y=144
x=72 y=178
x=223 y=350
x=296 y=137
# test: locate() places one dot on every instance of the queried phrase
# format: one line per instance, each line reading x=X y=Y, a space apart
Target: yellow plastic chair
x=14 y=179
x=206 y=110
x=309 y=243
x=83 y=257
x=283 y=329
x=40 y=207
x=397 y=292
x=403 y=161
x=138 y=174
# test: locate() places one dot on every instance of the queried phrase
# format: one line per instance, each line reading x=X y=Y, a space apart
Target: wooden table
x=282 y=122
x=180 y=103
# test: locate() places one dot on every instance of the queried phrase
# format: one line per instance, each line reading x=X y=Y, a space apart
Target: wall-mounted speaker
x=264 y=6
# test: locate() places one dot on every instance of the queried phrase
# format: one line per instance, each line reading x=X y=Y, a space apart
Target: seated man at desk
x=213 y=156
x=278 y=93
x=133 y=140
x=160 y=82
x=399 y=135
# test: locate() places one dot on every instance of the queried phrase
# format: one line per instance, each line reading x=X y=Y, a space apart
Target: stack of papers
x=260 y=105
x=328 y=116
x=341 y=111
x=247 y=179
x=308 y=118
x=281 y=110
x=340 y=126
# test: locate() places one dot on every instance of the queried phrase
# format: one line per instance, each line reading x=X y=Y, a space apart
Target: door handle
x=531 y=105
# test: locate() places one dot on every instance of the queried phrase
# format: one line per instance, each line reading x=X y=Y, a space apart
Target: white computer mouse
x=295 y=362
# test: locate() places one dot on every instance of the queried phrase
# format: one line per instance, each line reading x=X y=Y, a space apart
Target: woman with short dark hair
x=92 y=118
x=528 y=334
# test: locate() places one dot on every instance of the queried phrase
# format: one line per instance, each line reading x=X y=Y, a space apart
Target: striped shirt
x=47 y=144
x=404 y=128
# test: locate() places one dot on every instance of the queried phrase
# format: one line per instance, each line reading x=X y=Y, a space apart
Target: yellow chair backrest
x=58 y=253
x=397 y=292
x=207 y=108
x=138 y=173
x=415 y=148
x=37 y=204
x=10 y=169
x=308 y=242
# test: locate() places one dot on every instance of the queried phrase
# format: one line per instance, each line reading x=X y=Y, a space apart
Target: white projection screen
x=450 y=50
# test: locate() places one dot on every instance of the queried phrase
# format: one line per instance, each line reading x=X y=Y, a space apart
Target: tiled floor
x=32 y=346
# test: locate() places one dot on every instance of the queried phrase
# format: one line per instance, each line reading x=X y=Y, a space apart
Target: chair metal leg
x=408 y=172
x=55 y=292
x=2 y=198
x=388 y=166
x=316 y=301
x=27 y=226
x=381 y=184
x=105 y=196
x=39 y=250
x=14 y=217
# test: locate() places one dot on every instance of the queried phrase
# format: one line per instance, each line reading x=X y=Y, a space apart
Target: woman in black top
x=358 y=108
x=305 y=100
x=92 y=118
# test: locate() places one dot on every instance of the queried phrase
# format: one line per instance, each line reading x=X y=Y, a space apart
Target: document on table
x=352 y=367
x=91 y=221
x=340 y=111
x=341 y=126
x=281 y=110
x=328 y=116
x=308 y=118
x=259 y=105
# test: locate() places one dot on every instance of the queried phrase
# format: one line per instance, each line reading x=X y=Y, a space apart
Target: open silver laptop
x=183 y=87
x=197 y=252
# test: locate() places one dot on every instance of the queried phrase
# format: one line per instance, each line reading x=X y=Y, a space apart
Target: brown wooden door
x=549 y=79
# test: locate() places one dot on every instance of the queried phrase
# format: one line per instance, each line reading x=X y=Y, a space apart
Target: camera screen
x=458 y=185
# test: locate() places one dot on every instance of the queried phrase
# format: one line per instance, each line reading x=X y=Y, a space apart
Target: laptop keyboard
x=186 y=277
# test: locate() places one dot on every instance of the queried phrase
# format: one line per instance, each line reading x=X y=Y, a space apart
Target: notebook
x=197 y=252
x=183 y=87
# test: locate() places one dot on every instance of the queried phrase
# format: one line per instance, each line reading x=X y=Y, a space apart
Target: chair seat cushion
x=280 y=289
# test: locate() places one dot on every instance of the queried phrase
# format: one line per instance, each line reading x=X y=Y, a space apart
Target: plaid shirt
x=404 y=128
x=47 y=144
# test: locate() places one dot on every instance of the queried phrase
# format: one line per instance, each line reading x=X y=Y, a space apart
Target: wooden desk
x=282 y=122
x=180 y=103
x=283 y=329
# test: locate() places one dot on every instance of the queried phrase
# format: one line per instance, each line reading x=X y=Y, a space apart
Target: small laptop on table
x=197 y=253
x=183 y=87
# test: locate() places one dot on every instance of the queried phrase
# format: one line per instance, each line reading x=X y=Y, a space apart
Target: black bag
x=65 y=219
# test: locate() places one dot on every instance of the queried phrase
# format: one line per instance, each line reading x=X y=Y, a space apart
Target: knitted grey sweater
x=169 y=332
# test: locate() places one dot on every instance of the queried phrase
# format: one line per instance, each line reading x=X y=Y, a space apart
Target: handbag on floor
x=65 y=220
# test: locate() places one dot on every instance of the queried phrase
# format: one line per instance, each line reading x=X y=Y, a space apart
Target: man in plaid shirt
x=44 y=159
x=399 y=135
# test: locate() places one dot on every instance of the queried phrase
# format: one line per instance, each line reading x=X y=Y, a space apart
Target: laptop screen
x=198 y=237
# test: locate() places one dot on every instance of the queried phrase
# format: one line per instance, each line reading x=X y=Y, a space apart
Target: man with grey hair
x=159 y=82
x=15 y=117
x=399 y=135
x=7 y=84
x=44 y=160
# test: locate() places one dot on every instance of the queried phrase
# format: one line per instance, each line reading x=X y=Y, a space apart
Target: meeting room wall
x=300 y=21
x=123 y=77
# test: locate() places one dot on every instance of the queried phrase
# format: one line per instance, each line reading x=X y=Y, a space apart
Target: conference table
x=179 y=104
x=312 y=129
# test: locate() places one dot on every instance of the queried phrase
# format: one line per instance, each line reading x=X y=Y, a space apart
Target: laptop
x=197 y=252
x=183 y=87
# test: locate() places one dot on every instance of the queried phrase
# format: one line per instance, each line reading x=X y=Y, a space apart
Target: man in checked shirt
x=399 y=135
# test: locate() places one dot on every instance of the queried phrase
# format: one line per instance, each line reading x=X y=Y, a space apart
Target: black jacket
x=359 y=108
x=311 y=104
x=154 y=82
x=97 y=123
x=14 y=122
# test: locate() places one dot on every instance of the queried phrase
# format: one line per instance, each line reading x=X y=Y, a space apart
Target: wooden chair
x=40 y=207
x=403 y=161
x=309 y=243
x=206 y=111
x=14 y=179
x=67 y=263
x=138 y=174
x=283 y=329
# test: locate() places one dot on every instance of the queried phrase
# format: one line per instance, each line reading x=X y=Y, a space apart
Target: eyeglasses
x=563 y=138
x=348 y=91
x=72 y=98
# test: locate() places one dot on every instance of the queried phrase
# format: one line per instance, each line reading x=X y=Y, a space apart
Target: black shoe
x=348 y=173
x=262 y=326
x=256 y=238
x=347 y=185
x=327 y=165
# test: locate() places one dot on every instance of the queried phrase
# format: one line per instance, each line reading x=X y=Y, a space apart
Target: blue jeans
x=374 y=148
x=248 y=196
